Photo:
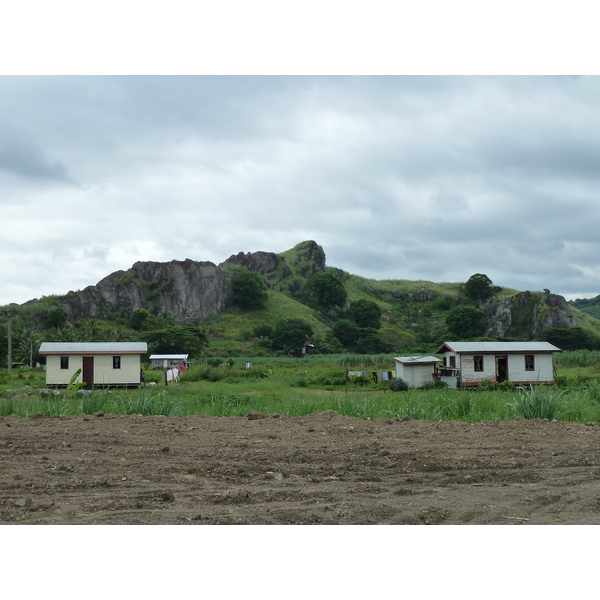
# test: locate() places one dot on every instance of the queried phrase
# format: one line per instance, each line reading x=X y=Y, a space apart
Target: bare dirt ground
x=320 y=469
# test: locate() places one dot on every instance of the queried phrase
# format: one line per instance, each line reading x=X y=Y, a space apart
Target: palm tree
x=89 y=331
x=166 y=317
x=27 y=346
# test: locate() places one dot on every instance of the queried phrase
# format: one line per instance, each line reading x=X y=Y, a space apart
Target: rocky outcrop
x=191 y=291
x=528 y=313
x=260 y=262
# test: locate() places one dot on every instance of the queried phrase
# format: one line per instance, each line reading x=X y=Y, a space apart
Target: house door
x=88 y=370
x=501 y=369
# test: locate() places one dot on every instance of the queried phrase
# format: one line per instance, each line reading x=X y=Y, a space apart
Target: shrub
x=434 y=385
x=205 y=373
x=565 y=381
x=263 y=330
x=398 y=385
x=506 y=386
x=361 y=380
x=331 y=378
x=486 y=385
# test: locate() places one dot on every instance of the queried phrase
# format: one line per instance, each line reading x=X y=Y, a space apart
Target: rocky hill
x=189 y=290
x=529 y=314
x=413 y=312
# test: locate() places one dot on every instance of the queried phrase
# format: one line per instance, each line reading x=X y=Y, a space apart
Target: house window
x=452 y=362
x=478 y=362
x=64 y=362
x=529 y=362
x=116 y=362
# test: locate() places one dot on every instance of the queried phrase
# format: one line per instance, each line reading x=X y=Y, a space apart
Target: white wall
x=57 y=376
x=415 y=375
x=104 y=374
x=466 y=363
x=543 y=372
x=129 y=373
x=543 y=369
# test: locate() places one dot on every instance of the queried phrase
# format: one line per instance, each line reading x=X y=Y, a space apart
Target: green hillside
x=589 y=306
x=363 y=316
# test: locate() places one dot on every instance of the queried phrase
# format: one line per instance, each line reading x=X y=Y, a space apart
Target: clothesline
x=173 y=374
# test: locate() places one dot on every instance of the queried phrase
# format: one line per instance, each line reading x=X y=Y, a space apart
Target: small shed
x=164 y=361
x=416 y=370
x=102 y=364
x=521 y=363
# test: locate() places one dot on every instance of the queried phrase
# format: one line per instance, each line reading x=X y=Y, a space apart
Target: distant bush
x=434 y=385
x=506 y=386
x=263 y=330
x=573 y=338
x=331 y=378
x=360 y=380
x=486 y=385
x=249 y=290
x=206 y=373
x=398 y=385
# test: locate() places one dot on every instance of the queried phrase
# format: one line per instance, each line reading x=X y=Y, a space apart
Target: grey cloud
x=397 y=177
x=22 y=156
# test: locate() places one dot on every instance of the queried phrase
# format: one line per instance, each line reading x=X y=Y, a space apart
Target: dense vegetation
x=289 y=386
x=302 y=302
x=590 y=306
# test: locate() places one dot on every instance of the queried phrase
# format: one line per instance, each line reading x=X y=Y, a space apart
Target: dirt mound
x=272 y=469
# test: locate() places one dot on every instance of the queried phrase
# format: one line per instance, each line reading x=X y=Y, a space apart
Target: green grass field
x=297 y=387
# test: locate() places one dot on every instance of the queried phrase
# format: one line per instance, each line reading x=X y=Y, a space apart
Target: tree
x=371 y=343
x=179 y=339
x=479 y=287
x=365 y=313
x=574 y=338
x=326 y=290
x=26 y=346
x=347 y=332
x=466 y=321
x=290 y=334
x=56 y=318
x=142 y=320
x=249 y=289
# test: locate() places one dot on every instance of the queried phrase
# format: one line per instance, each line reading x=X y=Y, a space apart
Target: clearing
x=319 y=469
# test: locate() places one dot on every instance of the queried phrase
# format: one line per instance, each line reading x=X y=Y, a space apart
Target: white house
x=164 y=361
x=521 y=363
x=416 y=370
x=102 y=364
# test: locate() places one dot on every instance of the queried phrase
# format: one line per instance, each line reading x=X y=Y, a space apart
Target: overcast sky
x=396 y=177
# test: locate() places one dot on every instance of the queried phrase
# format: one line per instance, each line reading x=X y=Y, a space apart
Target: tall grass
x=227 y=399
x=577 y=358
x=539 y=402
x=298 y=387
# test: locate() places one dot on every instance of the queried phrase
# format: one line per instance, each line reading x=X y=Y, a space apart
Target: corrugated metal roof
x=497 y=347
x=168 y=356
x=93 y=347
x=416 y=359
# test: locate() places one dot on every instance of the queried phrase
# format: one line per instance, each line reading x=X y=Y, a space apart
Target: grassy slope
x=590 y=306
x=233 y=329
x=409 y=320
